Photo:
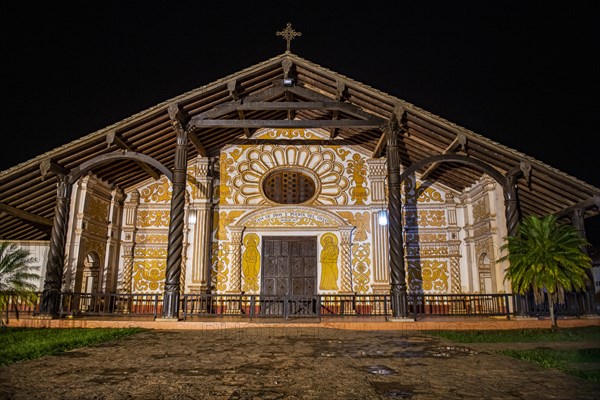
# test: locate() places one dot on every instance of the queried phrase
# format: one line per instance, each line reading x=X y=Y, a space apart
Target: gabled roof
x=226 y=111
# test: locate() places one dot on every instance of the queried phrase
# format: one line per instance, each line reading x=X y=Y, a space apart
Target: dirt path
x=285 y=363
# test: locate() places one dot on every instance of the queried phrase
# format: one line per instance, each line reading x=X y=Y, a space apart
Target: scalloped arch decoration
x=323 y=162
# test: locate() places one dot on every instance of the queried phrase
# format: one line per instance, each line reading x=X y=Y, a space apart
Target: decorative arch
x=287 y=217
x=440 y=158
x=86 y=166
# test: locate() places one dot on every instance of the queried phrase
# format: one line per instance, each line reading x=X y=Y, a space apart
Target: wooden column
x=511 y=205
x=50 y=305
x=578 y=221
x=397 y=269
x=176 y=224
x=513 y=214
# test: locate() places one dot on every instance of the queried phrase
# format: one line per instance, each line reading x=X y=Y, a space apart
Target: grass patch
x=569 y=361
x=18 y=344
x=583 y=363
x=581 y=334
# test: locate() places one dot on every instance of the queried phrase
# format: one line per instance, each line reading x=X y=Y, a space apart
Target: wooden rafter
x=291 y=112
x=193 y=137
x=48 y=165
x=457 y=143
x=298 y=124
x=33 y=219
x=209 y=118
x=232 y=87
x=226 y=108
x=113 y=138
x=293 y=142
x=340 y=96
x=379 y=146
x=592 y=202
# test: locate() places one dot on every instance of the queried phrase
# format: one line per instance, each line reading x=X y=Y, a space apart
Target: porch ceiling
x=231 y=109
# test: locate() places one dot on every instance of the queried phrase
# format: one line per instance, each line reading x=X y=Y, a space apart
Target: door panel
x=289 y=265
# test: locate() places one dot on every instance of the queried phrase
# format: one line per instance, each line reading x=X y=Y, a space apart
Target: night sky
x=522 y=73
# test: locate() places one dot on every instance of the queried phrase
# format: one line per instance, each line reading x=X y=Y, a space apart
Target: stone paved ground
x=285 y=363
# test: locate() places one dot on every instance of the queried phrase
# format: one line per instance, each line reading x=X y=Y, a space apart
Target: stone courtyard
x=286 y=363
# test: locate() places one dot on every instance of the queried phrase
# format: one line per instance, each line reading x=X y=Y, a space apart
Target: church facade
x=284 y=179
x=258 y=219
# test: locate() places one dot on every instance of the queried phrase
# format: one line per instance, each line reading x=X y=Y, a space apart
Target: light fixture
x=192 y=217
x=288 y=81
x=382 y=217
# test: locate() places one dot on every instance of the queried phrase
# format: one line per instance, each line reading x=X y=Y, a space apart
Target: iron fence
x=419 y=306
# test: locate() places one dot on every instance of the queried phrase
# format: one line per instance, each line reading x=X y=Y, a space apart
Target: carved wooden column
x=513 y=214
x=186 y=243
x=511 y=199
x=50 y=305
x=397 y=269
x=511 y=206
x=577 y=219
x=176 y=223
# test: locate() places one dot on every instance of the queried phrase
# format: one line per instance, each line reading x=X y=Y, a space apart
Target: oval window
x=289 y=187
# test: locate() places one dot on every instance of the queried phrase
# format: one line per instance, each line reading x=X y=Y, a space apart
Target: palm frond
x=546 y=256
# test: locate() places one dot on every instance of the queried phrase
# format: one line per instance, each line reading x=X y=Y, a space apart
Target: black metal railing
x=419 y=306
x=422 y=305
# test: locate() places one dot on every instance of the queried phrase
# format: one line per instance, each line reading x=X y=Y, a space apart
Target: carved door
x=289 y=266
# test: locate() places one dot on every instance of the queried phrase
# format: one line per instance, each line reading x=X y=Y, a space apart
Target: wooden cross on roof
x=288 y=34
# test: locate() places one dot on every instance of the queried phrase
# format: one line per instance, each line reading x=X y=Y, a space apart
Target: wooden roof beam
x=379 y=146
x=300 y=105
x=292 y=142
x=288 y=75
x=39 y=222
x=592 y=202
x=289 y=98
x=113 y=138
x=197 y=143
x=341 y=95
x=225 y=108
x=399 y=115
x=285 y=123
x=48 y=165
x=459 y=142
x=232 y=87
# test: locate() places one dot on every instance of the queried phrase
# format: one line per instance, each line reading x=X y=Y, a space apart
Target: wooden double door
x=289 y=266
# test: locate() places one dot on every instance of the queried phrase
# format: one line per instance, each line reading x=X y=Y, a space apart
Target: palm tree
x=546 y=256
x=17 y=273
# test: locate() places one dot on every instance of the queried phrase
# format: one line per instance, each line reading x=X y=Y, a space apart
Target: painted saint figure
x=251 y=263
x=329 y=258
